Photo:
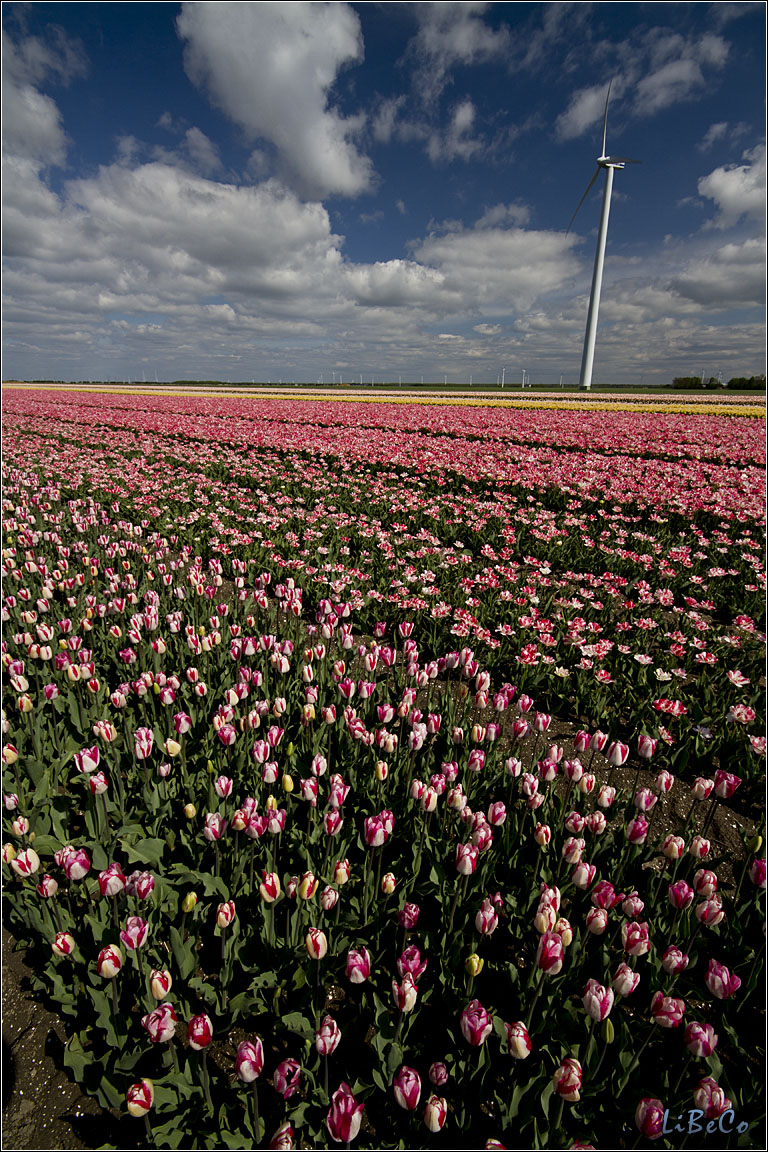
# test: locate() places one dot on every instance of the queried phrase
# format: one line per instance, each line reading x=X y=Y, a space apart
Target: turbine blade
x=605 y=117
x=588 y=189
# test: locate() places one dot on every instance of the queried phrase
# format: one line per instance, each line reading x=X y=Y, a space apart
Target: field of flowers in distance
x=390 y=773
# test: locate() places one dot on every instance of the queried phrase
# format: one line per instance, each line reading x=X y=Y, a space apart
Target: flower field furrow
x=338 y=751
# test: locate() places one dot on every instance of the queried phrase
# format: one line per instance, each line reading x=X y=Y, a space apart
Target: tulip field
x=390 y=774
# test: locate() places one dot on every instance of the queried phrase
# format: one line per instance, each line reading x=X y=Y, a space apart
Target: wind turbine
x=607 y=164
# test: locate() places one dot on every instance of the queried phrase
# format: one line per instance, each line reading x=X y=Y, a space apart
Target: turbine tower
x=608 y=164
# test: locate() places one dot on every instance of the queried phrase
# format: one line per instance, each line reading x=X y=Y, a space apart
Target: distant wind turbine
x=608 y=164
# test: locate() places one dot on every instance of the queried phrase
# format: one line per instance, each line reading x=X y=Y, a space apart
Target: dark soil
x=42 y=1107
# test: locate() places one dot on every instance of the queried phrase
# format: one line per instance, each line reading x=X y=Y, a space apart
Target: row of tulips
x=256 y=833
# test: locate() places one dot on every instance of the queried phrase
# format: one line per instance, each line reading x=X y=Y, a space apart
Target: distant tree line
x=736 y=383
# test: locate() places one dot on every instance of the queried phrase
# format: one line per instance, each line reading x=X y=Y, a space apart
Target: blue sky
x=306 y=190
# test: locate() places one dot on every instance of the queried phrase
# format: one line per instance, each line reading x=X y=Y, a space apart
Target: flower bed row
x=264 y=827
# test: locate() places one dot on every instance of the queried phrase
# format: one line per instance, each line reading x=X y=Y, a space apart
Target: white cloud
x=507 y=269
x=505 y=214
x=733 y=275
x=737 y=190
x=271 y=69
x=32 y=126
x=651 y=73
x=202 y=151
x=457 y=141
x=722 y=131
x=450 y=34
x=587 y=107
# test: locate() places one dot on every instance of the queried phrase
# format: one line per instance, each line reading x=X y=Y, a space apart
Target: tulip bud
x=188 y=902
x=139 y=1098
x=316 y=944
x=473 y=965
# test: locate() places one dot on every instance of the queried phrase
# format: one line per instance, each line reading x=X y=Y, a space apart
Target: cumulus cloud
x=271 y=68
x=737 y=190
x=508 y=268
x=32 y=125
x=505 y=214
x=733 y=275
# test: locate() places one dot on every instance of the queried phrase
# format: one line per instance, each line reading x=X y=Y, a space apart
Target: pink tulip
x=705 y=882
x=249 y=1061
x=632 y=906
x=358 y=965
x=518 y=1040
x=486 y=919
x=435 y=1113
x=412 y=962
x=757 y=872
x=466 y=859
x=646 y=746
x=286 y=1078
x=327 y=1036
x=597 y=1000
x=87 y=760
x=702 y=787
x=408 y=916
x=617 y=754
x=699 y=848
x=160 y=982
x=199 y=1032
x=635 y=938
x=63 y=944
x=139 y=1098
x=710 y=912
x=215 y=826
x=135 y=932
x=674 y=961
x=567 y=1080
x=625 y=980
x=550 y=953
x=637 y=830
x=282 y=1139
x=649 y=1117
x=710 y=1098
x=726 y=784
x=720 y=981
x=581 y=742
x=407 y=1088
x=606 y=796
x=603 y=895
x=225 y=914
x=160 y=1024
x=406 y=993
x=111 y=880
x=476 y=1024
x=583 y=875
x=673 y=846
x=667 y=1010
x=110 y=962
x=680 y=895
x=316 y=944
x=700 y=1039
x=344 y=1116
x=597 y=921
x=76 y=864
